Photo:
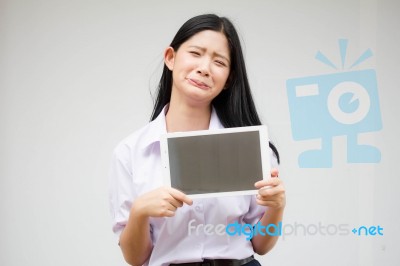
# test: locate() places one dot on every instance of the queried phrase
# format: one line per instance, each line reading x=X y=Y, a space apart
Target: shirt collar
x=158 y=126
x=215 y=123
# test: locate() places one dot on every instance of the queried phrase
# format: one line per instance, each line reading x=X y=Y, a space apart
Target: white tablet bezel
x=264 y=150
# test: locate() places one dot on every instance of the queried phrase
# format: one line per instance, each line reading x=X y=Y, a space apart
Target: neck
x=187 y=118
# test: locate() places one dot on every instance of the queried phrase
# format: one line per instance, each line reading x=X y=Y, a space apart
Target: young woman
x=203 y=86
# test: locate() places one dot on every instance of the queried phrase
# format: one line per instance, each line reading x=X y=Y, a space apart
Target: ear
x=169 y=58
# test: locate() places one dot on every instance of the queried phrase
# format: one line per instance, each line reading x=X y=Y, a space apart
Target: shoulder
x=143 y=137
x=133 y=141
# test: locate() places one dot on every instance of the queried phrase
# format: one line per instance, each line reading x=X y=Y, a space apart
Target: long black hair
x=234 y=105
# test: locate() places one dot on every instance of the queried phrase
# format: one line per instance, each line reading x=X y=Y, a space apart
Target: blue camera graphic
x=338 y=104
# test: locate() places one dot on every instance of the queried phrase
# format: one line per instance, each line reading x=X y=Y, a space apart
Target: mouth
x=198 y=83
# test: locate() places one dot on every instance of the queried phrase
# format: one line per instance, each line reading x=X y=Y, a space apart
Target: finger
x=165 y=209
x=268 y=192
x=169 y=213
x=272 y=182
x=179 y=195
x=174 y=202
x=268 y=203
x=274 y=172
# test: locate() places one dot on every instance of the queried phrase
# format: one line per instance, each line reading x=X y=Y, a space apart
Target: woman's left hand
x=271 y=192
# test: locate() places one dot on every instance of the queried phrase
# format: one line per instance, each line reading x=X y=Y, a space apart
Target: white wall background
x=75 y=78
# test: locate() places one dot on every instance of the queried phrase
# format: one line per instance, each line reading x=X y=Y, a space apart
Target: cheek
x=186 y=63
x=223 y=76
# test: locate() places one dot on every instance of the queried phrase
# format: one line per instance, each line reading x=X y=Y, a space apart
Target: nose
x=204 y=68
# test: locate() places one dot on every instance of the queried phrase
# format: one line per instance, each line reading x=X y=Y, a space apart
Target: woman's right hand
x=160 y=202
x=135 y=239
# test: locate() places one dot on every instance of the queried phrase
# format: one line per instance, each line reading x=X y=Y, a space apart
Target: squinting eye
x=194 y=53
x=220 y=63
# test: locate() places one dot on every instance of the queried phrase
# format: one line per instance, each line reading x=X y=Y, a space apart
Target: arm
x=274 y=198
x=135 y=240
x=263 y=244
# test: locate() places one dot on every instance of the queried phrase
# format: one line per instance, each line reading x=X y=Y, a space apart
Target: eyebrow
x=215 y=53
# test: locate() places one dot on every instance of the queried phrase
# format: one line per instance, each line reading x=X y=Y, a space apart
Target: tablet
x=210 y=163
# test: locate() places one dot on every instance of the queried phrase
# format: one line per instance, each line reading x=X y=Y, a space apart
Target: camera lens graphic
x=348 y=103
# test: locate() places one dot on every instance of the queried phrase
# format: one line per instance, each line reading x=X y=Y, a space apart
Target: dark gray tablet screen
x=215 y=163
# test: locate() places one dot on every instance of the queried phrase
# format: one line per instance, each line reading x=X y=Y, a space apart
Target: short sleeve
x=120 y=187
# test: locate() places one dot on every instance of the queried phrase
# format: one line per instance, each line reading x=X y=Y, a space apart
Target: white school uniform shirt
x=192 y=234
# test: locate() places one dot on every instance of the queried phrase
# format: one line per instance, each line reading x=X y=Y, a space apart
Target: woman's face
x=200 y=67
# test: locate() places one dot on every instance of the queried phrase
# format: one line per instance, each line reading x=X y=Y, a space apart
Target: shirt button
x=198 y=208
